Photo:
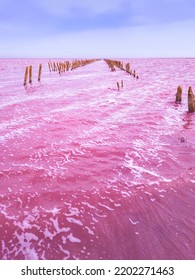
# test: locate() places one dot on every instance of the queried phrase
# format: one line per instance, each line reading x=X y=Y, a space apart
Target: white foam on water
x=125 y=194
x=147 y=193
x=56 y=226
x=166 y=179
x=63 y=239
x=73 y=239
x=88 y=205
x=160 y=191
x=89 y=231
x=105 y=206
x=75 y=221
x=73 y=211
x=134 y=222
x=66 y=253
x=101 y=216
x=25 y=241
x=48 y=234
x=117 y=204
x=53 y=211
x=94 y=220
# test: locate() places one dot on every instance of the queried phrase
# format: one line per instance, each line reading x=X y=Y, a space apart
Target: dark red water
x=90 y=172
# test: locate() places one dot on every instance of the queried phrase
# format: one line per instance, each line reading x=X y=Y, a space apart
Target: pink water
x=90 y=172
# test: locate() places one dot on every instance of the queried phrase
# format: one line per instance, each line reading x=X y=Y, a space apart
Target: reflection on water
x=188 y=119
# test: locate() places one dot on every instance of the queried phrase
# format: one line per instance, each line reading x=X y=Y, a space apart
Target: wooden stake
x=40 y=70
x=49 y=65
x=191 y=100
x=26 y=76
x=118 y=86
x=30 y=74
x=178 y=94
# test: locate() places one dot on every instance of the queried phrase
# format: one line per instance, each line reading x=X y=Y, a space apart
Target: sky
x=97 y=29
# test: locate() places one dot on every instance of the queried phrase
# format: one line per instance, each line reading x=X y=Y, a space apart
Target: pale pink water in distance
x=90 y=172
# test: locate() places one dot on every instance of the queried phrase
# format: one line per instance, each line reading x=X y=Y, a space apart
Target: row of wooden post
x=28 y=74
x=191 y=98
x=112 y=63
x=61 y=66
x=55 y=66
x=79 y=63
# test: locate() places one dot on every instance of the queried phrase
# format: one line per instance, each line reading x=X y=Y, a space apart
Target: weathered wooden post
x=30 y=74
x=191 y=100
x=118 y=86
x=178 y=94
x=40 y=70
x=26 y=76
x=49 y=65
x=127 y=67
x=134 y=73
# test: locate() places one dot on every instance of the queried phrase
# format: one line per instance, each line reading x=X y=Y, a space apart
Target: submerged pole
x=178 y=94
x=191 y=100
x=26 y=76
x=30 y=74
x=40 y=70
x=49 y=65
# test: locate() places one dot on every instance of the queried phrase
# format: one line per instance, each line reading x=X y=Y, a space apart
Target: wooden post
x=178 y=94
x=30 y=74
x=127 y=67
x=49 y=65
x=191 y=100
x=118 y=86
x=26 y=76
x=40 y=70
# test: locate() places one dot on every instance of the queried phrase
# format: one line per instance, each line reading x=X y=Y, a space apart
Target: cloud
x=90 y=8
x=170 y=40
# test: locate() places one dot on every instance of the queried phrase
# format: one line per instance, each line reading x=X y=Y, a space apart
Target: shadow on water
x=29 y=89
x=188 y=120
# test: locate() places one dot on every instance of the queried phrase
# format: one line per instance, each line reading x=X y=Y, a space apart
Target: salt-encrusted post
x=49 y=65
x=118 y=86
x=40 y=70
x=127 y=67
x=191 y=100
x=26 y=76
x=178 y=94
x=30 y=74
